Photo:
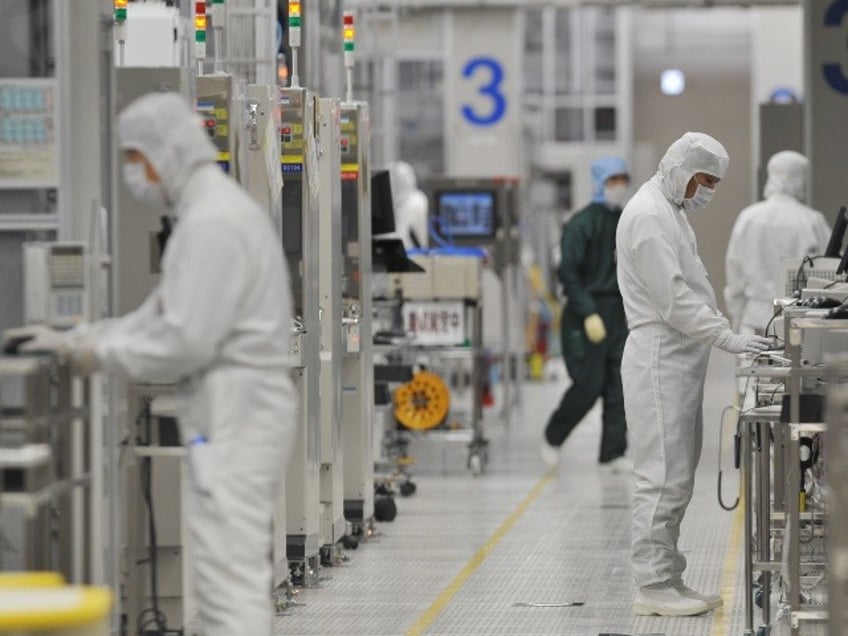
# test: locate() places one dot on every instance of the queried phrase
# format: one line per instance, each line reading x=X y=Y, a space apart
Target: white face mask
x=615 y=196
x=140 y=187
x=701 y=199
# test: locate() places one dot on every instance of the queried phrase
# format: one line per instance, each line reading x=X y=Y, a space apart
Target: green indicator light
x=120 y=15
x=348 y=46
x=294 y=21
x=200 y=36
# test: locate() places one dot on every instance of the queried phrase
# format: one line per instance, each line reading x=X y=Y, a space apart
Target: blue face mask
x=701 y=199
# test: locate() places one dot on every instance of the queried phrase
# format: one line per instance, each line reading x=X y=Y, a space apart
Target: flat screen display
x=382 y=204
x=834 y=245
x=466 y=214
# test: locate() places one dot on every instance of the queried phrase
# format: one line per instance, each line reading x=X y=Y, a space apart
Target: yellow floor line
x=730 y=573
x=432 y=612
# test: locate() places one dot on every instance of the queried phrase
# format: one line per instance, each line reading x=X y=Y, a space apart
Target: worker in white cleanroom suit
x=411 y=206
x=765 y=234
x=218 y=326
x=673 y=321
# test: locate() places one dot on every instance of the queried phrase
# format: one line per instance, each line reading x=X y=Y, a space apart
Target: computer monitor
x=843 y=264
x=834 y=245
x=382 y=205
x=466 y=214
x=389 y=255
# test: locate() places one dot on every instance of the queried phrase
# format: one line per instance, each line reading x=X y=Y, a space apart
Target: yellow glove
x=594 y=327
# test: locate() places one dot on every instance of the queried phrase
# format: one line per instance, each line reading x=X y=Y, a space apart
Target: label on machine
x=434 y=322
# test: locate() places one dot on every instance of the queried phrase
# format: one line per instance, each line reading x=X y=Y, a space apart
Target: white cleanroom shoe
x=550 y=454
x=713 y=601
x=666 y=600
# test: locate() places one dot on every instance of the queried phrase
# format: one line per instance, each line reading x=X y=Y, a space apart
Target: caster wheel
x=385 y=509
x=407 y=488
x=383 y=489
x=350 y=542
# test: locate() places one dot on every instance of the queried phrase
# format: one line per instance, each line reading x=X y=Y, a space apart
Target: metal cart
x=429 y=333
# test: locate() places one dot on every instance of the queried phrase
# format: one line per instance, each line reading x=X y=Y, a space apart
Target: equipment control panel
x=55 y=284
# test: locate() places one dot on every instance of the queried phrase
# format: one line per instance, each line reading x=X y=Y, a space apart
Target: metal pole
x=747 y=491
x=793 y=478
x=764 y=520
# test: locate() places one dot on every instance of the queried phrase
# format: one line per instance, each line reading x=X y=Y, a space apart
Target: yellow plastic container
x=30 y=579
x=54 y=610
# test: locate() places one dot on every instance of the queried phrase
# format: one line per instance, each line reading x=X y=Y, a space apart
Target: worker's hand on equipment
x=738 y=343
x=37 y=338
x=77 y=349
x=595 y=330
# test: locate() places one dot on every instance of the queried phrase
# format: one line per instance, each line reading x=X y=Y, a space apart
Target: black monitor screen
x=834 y=245
x=468 y=214
x=382 y=206
x=843 y=264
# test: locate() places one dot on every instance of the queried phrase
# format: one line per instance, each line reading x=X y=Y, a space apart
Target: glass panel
x=533 y=52
x=26 y=40
x=605 y=123
x=420 y=116
x=605 y=52
x=568 y=124
x=564 y=63
x=367 y=87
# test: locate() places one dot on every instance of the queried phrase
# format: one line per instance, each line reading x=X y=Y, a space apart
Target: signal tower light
x=120 y=11
x=200 y=23
x=349 y=37
x=294 y=23
x=121 y=26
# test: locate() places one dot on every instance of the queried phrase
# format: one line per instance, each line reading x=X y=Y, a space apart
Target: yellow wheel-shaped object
x=423 y=403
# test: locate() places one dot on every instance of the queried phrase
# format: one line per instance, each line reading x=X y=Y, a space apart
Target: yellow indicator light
x=200 y=22
x=349 y=33
x=120 y=4
x=294 y=9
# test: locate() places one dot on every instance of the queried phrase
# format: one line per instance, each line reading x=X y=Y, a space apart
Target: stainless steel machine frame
x=837 y=527
x=333 y=524
x=776 y=504
x=299 y=159
x=216 y=106
x=358 y=364
x=45 y=469
x=157 y=462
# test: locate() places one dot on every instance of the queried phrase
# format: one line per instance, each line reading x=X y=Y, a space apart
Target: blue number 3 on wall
x=832 y=70
x=492 y=71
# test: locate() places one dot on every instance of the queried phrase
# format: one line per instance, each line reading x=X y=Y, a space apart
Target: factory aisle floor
x=517 y=551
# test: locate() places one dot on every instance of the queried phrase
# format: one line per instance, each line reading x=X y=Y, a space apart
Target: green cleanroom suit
x=588 y=275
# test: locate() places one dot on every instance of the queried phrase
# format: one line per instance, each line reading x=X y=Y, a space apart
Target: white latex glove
x=594 y=327
x=78 y=351
x=39 y=338
x=737 y=343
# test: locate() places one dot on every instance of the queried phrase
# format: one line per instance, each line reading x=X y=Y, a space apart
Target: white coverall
x=767 y=233
x=411 y=206
x=673 y=320
x=218 y=325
